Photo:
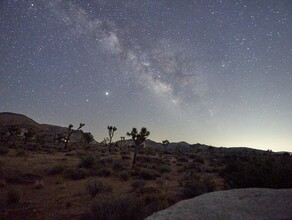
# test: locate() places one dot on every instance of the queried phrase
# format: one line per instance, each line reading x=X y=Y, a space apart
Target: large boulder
x=236 y=204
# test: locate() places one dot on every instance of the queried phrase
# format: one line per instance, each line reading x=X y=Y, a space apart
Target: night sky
x=211 y=72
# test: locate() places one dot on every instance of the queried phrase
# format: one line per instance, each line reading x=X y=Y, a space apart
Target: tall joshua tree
x=165 y=144
x=70 y=131
x=138 y=139
x=111 y=132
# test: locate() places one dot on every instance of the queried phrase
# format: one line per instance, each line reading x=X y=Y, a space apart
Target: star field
x=214 y=72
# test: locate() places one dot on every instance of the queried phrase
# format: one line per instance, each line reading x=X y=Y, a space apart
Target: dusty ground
x=44 y=196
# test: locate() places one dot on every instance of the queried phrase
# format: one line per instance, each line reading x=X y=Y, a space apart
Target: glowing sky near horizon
x=213 y=72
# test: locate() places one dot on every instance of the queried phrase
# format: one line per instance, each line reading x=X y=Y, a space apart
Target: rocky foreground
x=254 y=203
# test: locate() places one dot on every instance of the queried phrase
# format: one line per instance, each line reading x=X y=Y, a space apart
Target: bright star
x=106 y=93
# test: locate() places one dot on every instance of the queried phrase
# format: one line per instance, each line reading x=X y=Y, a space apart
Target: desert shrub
x=148 y=190
x=118 y=209
x=182 y=159
x=199 y=160
x=58 y=169
x=124 y=152
x=124 y=175
x=150 y=151
x=94 y=187
x=153 y=166
x=13 y=196
x=104 y=172
x=39 y=184
x=26 y=178
x=209 y=183
x=148 y=174
x=3 y=150
x=2 y=183
x=75 y=174
x=269 y=171
x=195 y=167
x=125 y=157
x=86 y=162
x=164 y=168
x=106 y=160
x=153 y=197
x=143 y=159
x=194 y=185
x=135 y=171
x=20 y=153
x=137 y=184
x=117 y=165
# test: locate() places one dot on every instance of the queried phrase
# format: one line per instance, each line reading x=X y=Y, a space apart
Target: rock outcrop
x=238 y=204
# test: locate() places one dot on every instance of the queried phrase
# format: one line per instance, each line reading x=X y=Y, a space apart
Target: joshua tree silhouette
x=111 y=132
x=138 y=139
x=165 y=144
x=70 y=131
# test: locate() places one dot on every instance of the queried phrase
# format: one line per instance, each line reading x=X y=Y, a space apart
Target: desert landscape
x=145 y=109
x=43 y=178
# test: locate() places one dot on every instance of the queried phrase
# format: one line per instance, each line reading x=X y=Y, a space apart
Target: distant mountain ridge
x=46 y=130
x=49 y=131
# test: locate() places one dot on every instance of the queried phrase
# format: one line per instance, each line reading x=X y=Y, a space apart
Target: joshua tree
x=138 y=139
x=70 y=132
x=13 y=130
x=111 y=131
x=165 y=144
x=28 y=135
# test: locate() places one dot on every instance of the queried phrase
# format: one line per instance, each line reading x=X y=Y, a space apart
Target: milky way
x=214 y=72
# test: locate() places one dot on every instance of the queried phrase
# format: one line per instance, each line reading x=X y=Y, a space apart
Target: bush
x=209 y=183
x=125 y=157
x=3 y=150
x=39 y=184
x=148 y=190
x=20 y=153
x=58 y=169
x=117 y=165
x=104 y=172
x=75 y=174
x=13 y=196
x=106 y=160
x=148 y=175
x=2 y=183
x=137 y=184
x=124 y=175
x=118 y=209
x=192 y=185
x=164 y=168
x=182 y=159
x=94 y=187
x=86 y=162
x=265 y=171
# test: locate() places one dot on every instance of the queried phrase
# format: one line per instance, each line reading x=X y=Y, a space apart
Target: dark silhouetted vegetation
x=28 y=135
x=70 y=131
x=111 y=132
x=271 y=171
x=165 y=144
x=138 y=139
